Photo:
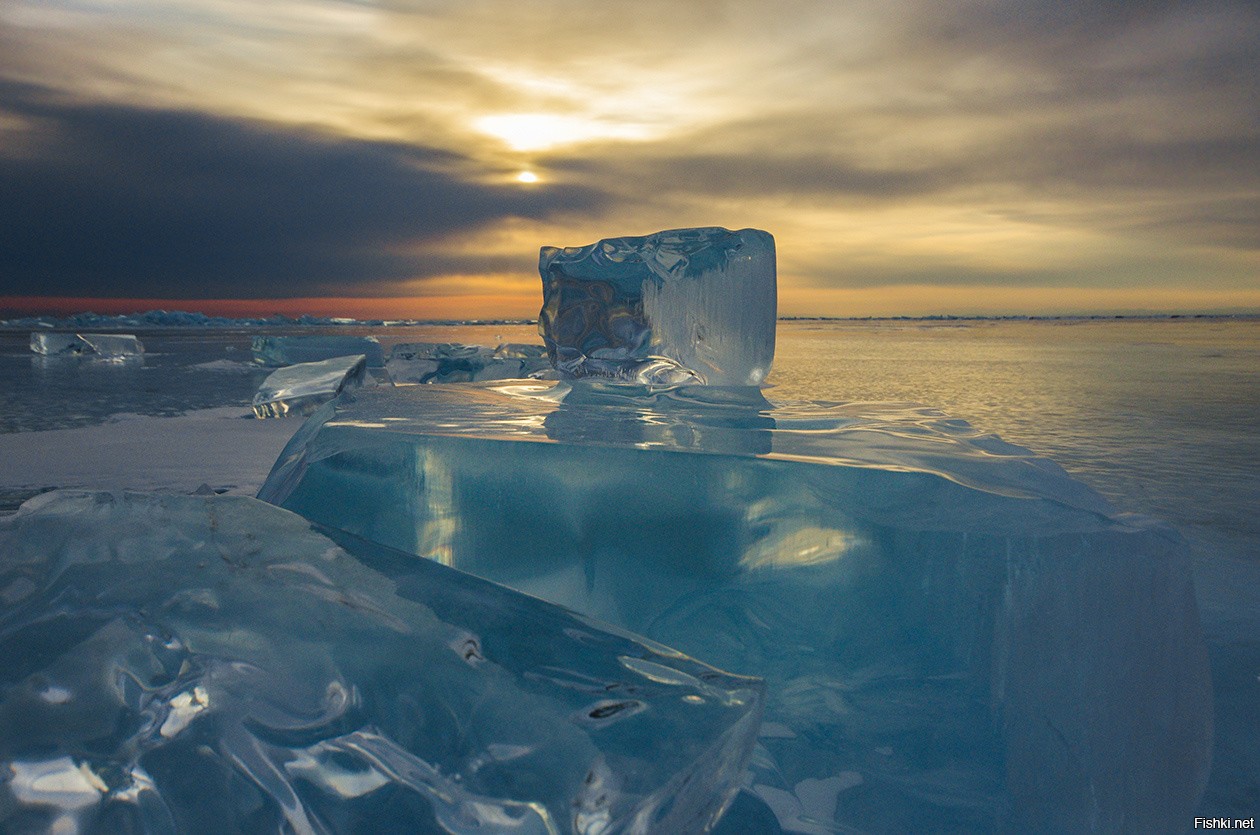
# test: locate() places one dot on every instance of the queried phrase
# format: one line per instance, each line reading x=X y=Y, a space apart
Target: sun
x=527 y=177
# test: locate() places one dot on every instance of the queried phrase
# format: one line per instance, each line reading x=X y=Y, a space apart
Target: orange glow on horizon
x=928 y=300
x=498 y=306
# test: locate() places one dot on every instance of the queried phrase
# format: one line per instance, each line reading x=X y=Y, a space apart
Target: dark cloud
x=122 y=201
x=756 y=173
x=1109 y=142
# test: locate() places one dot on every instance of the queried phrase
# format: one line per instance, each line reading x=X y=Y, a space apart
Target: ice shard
x=302 y=388
x=955 y=634
x=216 y=664
x=451 y=362
x=290 y=350
x=700 y=303
x=98 y=345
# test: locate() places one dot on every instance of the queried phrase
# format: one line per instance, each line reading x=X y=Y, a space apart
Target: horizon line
x=24 y=322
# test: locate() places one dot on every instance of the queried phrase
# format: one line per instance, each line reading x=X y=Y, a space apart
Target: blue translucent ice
x=955 y=634
x=682 y=306
x=451 y=362
x=288 y=350
x=215 y=664
x=301 y=389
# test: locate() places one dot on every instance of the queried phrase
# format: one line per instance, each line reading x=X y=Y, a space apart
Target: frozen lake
x=1161 y=416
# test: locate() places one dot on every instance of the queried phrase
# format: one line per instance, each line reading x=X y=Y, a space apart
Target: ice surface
x=978 y=637
x=288 y=350
x=213 y=664
x=300 y=389
x=99 y=345
x=452 y=362
x=701 y=298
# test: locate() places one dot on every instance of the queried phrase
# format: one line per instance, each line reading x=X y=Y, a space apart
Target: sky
x=407 y=159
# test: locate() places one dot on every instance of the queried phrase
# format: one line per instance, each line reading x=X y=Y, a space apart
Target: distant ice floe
x=227 y=366
x=452 y=362
x=94 y=345
x=182 y=319
x=289 y=350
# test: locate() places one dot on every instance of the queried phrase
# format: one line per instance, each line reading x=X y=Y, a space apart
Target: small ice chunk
x=704 y=298
x=52 y=344
x=57 y=782
x=183 y=708
x=331 y=689
x=451 y=362
x=113 y=345
x=289 y=350
x=300 y=389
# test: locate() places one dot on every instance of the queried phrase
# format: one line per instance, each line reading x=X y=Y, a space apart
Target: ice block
x=302 y=388
x=955 y=634
x=215 y=664
x=700 y=302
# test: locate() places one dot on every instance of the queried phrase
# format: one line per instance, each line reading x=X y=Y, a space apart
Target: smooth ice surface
x=452 y=362
x=213 y=664
x=302 y=388
x=98 y=345
x=703 y=299
x=289 y=350
x=955 y=634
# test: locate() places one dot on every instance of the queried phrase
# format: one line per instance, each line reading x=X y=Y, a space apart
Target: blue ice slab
x=289 y=350
x=414 y=363
x=215 y=664
x=675 y=307
x=955 y=634
x=301 y=389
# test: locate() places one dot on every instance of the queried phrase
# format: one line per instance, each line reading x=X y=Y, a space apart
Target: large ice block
x=451 y=362
x=113 y=345
x=215 y=664
x=955 y=634
x=703 y=299
x=302 y=388
x=55 y=344
x=290 y=350
x=99 y=345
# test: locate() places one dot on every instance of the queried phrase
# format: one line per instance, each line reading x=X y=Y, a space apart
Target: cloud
x=117 y=200
x=342 y=146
